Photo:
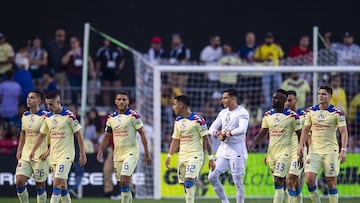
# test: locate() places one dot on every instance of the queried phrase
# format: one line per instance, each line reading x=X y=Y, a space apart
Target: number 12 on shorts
x=190 y=168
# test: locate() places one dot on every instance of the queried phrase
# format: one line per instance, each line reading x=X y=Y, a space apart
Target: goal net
x=157 y=85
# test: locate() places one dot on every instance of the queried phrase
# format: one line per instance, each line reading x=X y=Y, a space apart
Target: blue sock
x=333 y=191
x=56 y=191
x=20 y=189
x=298 y=192
x=125 y=188
x=292 y=192
x=40 y=191
x=312 y=189
x=278 y=187
x=64 y=192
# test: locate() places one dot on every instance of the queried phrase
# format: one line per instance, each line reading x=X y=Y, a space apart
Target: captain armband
x=108 y=129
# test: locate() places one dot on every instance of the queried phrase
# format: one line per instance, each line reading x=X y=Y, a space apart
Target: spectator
x=301 y=49
x=228 y=80
x=10 y=98
x=73 y=60
x=179 y=53
x=22 y=75
x=348 y=53
x=38 y=62
x=9 y=142
x=338 y=98
x=354 y=112
x=269 y=53
x=156 y=52
x=109 y=62
x=300 y=86
x=56 y=50
x=247 y=51
x=49 y=81
x=210 y=56
x=6 y=56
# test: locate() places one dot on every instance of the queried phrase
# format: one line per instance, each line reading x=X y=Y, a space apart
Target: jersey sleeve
x=108 y=128
x=264 y=123
x=202 y=127
x=297 y=124
x=176 y=133
x=307 y=119
x=216 y=124
x=22 y=123
x=341 y=121
x=137 y=122
x=44 y=129
x=75 y=125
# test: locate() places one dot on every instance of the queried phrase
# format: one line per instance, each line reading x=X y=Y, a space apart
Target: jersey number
x=61 y=168
x=39 y=172
x=280 y=167
x=190 y=168
x=126 y=166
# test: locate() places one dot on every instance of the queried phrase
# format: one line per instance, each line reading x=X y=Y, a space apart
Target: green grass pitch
x=107 y=200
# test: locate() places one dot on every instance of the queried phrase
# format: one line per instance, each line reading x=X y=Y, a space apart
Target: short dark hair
x=291 y=92
x=37 y=93
x=327 y=88
x=282 y=91
x=122 y=93
x=183 y=99
x=52 y=94
x=232 y=92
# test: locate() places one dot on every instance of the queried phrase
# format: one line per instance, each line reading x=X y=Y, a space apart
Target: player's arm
x=21 y=145
x=37 y=145
x=174 y=146
x=303 y=138
x=243 y=126
x=81 y=141
x=259 y=138
x=147 y=155
x=207 y=146
x=344 y=142
x=215 y=126
x=104 y=143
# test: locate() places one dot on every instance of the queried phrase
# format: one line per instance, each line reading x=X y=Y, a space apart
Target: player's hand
x=31 y=157
x=216 y=133
x=82 y=159
x=342 y=156
x=251 y=147
x=300 y=162
x=18 y=155
x=300 y=151
x=212 y=165
x=44 y=155
x=147 y=158
x=99 y=156
x=167 y=163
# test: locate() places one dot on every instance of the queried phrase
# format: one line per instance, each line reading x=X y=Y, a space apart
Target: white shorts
x=236 y=165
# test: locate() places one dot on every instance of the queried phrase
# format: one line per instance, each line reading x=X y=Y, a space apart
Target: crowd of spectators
x=58 y=65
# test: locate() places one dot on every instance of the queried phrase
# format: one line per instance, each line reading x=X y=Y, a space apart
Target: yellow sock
x=41 y=198
x=66 y=198
x=55 y=198
x=286 y=197
x=299 y=199
x=24 y=196
x=279 y=195
x=190 y=195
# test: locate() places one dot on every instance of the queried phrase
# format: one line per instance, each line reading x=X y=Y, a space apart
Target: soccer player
x=122 y=124
x=191 y=135
x=31 y=122
x=324 y=119
x=280 y=123
x=295 y=175
x=230 y=127
x=61 y=125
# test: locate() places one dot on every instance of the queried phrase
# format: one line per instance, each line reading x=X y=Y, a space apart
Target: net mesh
x=255 y=90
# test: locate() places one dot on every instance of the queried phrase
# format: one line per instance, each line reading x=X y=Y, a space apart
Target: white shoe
x=115 y=197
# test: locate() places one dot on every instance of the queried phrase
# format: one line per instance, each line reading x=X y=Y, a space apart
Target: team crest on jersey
x=321 y=117
x=54 y=122
x=227 y=119
x=276 y=119
x=182 y=126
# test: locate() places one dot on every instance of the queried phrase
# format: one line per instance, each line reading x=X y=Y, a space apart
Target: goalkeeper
x=230 y=127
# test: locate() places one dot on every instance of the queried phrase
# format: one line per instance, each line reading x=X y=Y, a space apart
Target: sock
x=299 y=199
x=314 y=195
x=22 y=194
x=291 y=196
x=56 y=195
x=189 y=191
x=218 y=188
x=279 y=194
x=41 y=195
x=286 y=197
x=240 y=189
x=333 y=195
x=126 y=196
x=65 y=196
